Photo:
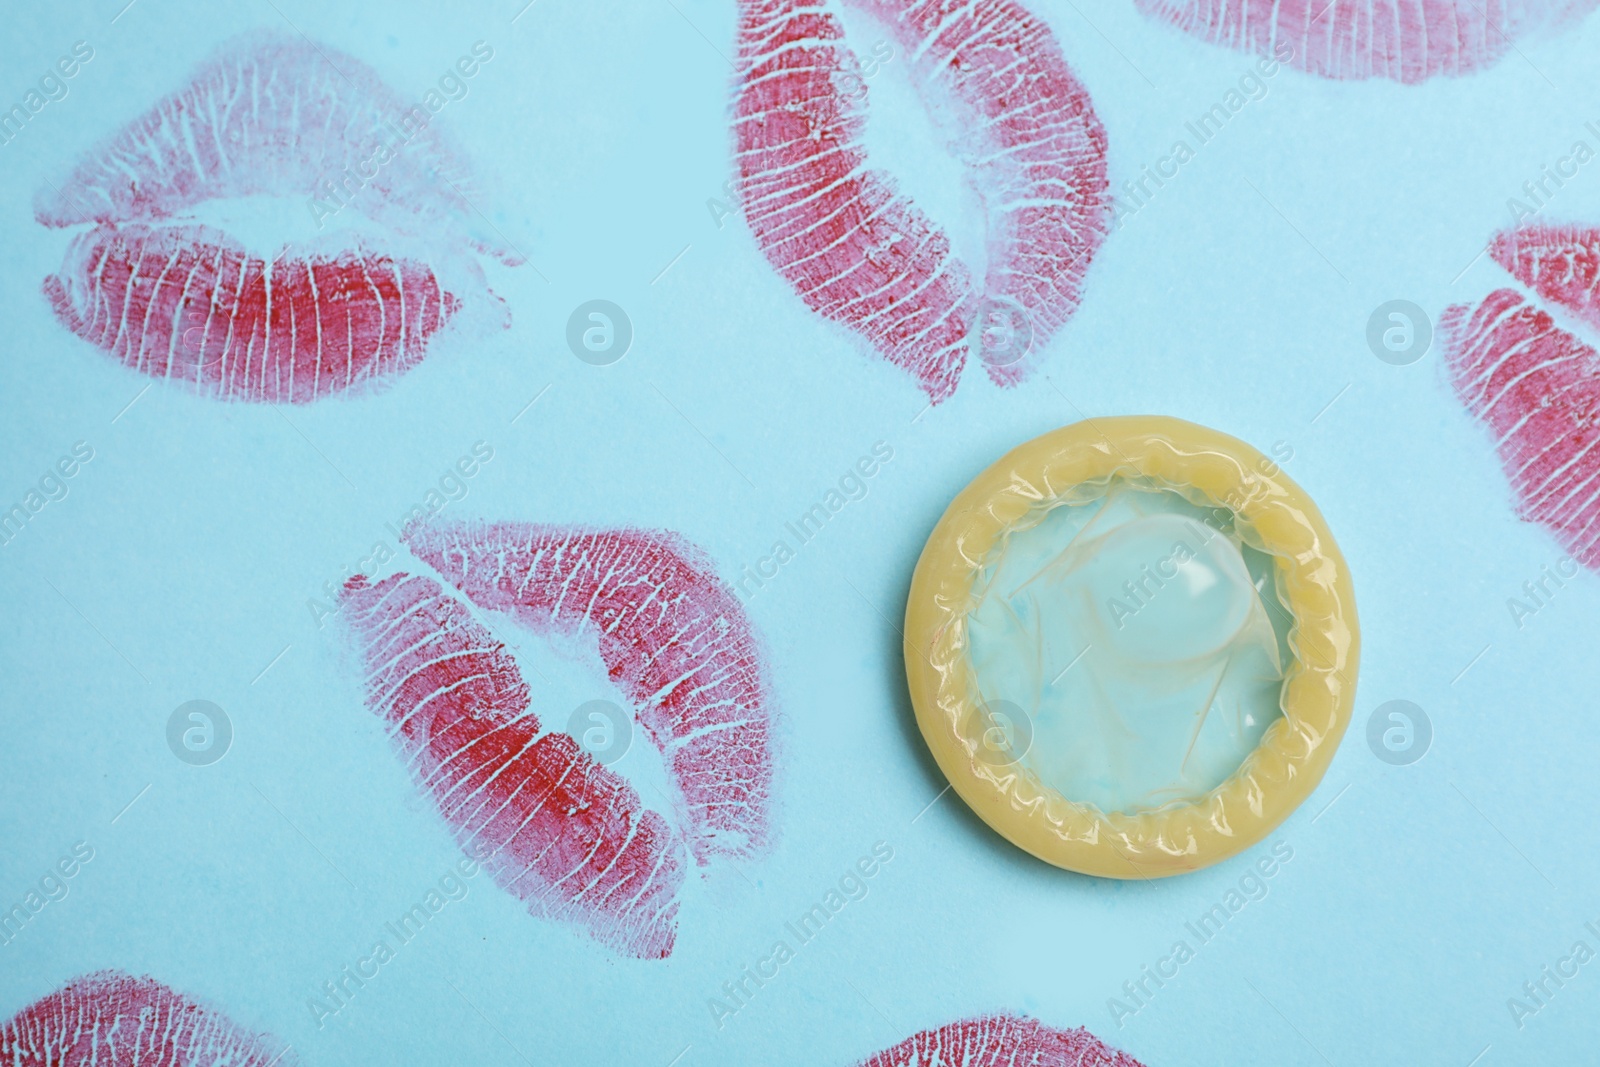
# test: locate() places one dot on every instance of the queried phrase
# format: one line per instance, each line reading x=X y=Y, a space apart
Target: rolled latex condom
x=1131 y=646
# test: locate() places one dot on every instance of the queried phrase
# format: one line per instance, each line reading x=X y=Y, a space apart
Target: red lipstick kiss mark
x=1535 y=384
x=111 y=1019
x=277 y=117
x=556 y=829
x=1560 y=263
x=563 y=833
x=862 y=254
x=1001 y=1041
x=1406 y=41
x=188 y=302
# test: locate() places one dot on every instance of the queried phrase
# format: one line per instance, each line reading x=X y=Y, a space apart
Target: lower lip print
x=110 y=1019
x=560 y=831
x=1001 y=1041
x=1349 y=40
x=862 y=255
x=188 y=302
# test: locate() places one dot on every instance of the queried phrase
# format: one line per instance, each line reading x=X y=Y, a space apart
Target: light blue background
x=180 y=564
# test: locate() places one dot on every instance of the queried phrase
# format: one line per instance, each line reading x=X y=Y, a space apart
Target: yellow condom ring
x=1271 y=512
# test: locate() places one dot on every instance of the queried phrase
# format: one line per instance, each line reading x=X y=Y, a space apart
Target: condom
x=1131 y=646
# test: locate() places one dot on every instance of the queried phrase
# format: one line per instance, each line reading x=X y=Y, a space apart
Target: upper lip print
x=1403 y=40
x=1001 y=1041
x=550 y=823
x=273 y=116
x=864 y=255
x=112 y=1019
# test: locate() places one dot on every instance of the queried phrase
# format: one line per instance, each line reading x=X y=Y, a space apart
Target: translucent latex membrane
x=1131 y=646
x=1132 y=634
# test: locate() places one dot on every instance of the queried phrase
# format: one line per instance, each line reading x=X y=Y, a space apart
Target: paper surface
x=179 y=566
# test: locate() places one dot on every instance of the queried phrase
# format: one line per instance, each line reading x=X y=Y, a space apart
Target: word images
x=852 y=885
x=1252 y=887
x=452 y=486
x=338 y=993
x=53 y=886
x=337 y=193
x=1204 y=129
x=852 y=485
x=52 y=485
x=52 y=87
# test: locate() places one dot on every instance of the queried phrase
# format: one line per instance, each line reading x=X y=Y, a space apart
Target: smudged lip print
x=1529 y=376
x=1407 y=41
x=272 y=115
x=565 y=834
x=864 y=255
x=112 y=1019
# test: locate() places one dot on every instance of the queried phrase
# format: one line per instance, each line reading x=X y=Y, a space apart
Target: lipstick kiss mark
x=1535 y=384
x=862 y=254
x=1001 y=1041
x=271 y=116
x=188 y=302
x=1406 y=41
x=565 y=834
x=111 y=1019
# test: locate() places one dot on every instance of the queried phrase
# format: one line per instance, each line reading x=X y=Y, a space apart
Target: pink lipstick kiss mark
x=1560 y=263
x=553 y=827
x=862 y=254
x=672 y=637
x=188 y=302
x=1001 y=1041
x=110 y=1019
x=271 y=116
x=562 y=832
x=1536 y=385
x=1406 y=41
